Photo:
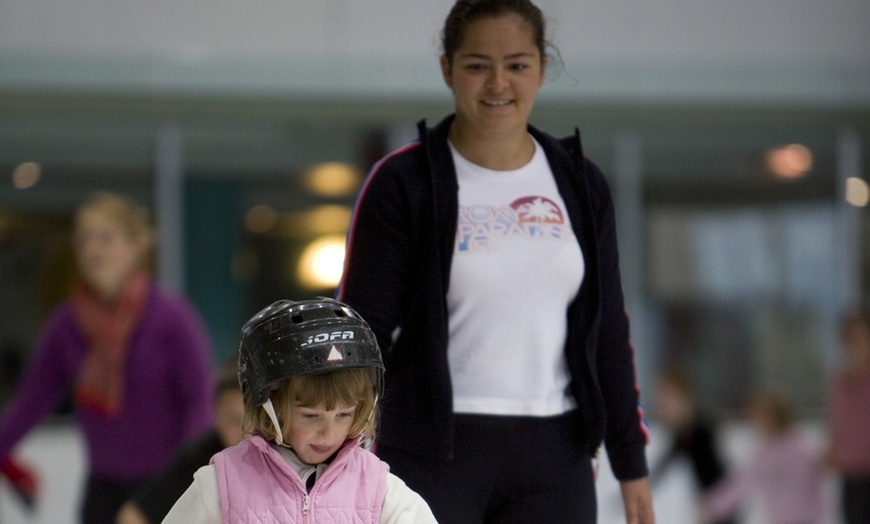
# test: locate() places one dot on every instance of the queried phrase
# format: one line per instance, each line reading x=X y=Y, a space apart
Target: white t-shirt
x=516 y=267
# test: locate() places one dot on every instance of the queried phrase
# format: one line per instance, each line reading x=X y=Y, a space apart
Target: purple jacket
x=167 y=399
x=849 y=425
x=258 y=485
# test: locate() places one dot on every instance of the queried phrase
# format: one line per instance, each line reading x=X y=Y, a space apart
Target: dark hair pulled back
x=466 y=12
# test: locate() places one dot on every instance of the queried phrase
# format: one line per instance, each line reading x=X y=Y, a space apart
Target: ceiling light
x=789 y=162
x=322 y=262
x=333 y=179
x=26 y=175
x=857 y=192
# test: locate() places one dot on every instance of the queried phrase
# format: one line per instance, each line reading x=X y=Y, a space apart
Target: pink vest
x=257 y=485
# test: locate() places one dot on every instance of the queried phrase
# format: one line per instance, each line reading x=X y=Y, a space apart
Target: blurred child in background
x=692 y=435
x=152 y=502
x=849 y=420
x=784 y=471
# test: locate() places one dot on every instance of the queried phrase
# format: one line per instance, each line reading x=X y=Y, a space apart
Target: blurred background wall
x=730 y=133
x=735 y=136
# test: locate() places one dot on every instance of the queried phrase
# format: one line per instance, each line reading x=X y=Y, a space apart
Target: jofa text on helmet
x=324 y=337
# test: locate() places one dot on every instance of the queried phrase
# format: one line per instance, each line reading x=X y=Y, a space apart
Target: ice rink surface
x=57 y=452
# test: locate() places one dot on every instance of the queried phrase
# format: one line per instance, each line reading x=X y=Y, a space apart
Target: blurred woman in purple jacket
x=137 y=359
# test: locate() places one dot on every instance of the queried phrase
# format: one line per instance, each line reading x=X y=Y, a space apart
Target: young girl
x=311 y=373
x=693 y=436
x=784 y=471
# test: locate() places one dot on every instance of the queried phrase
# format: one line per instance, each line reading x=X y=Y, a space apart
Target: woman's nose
x=496 y=78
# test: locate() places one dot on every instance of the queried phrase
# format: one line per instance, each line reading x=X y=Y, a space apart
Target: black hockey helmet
x=290 y=338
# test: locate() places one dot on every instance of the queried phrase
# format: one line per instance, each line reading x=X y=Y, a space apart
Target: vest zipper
x=306 y=505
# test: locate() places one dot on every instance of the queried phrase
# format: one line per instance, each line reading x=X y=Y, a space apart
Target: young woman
x=138 y=358
x=484 y=257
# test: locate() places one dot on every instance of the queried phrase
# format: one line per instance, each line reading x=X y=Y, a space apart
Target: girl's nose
x=327 y=431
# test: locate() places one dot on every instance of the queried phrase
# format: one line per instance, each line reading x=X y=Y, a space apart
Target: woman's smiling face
x=495 y=74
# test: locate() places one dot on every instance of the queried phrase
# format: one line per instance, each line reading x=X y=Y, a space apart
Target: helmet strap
x=270 y=410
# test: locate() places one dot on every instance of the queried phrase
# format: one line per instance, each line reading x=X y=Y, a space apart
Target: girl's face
x=675 y=407
x=762 y=418
x=105 y=252
x=495 y=74
x=316 y=433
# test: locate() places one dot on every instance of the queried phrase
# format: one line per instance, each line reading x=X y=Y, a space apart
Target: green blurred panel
x=213 y=237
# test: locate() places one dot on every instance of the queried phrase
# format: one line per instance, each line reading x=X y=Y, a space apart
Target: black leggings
x=505 y=470
x=856 y=500
x=104 y=497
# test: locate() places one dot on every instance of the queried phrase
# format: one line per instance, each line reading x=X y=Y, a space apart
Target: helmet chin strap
x=270 y=410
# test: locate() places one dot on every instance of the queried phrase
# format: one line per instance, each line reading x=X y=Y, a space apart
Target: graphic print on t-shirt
x=484 y=227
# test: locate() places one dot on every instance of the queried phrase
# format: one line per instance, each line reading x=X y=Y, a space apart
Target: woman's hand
x=637 y=499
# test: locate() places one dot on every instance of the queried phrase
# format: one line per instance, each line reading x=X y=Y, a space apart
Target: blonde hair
x=342 y=387
x=132 y=217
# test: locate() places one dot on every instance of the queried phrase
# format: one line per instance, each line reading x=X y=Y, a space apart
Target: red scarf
x=108 y=328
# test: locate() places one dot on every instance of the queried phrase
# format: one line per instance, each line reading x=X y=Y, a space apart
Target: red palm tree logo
x=537 y=209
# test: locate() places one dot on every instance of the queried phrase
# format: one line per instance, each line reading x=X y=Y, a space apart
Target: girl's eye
x=519 y=67
x=475 y=67
x=346 y=414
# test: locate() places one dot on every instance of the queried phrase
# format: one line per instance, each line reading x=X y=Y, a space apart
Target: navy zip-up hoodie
x=397 y=273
